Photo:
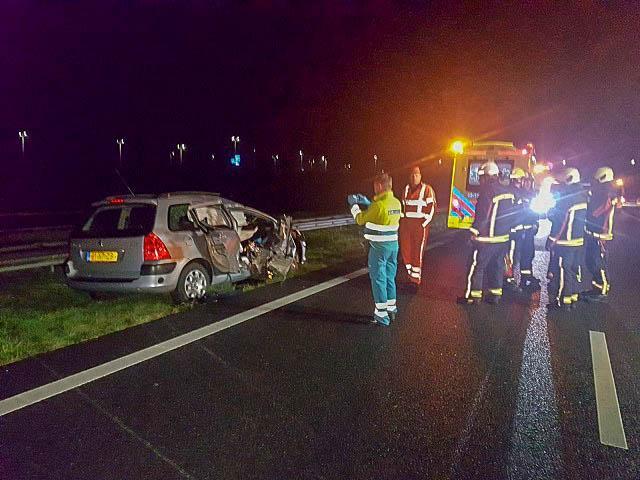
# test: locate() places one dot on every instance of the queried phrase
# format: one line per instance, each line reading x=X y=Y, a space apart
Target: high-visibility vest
x=419 y=203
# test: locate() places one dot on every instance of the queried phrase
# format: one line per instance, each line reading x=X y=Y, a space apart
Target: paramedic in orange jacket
x=418 y=207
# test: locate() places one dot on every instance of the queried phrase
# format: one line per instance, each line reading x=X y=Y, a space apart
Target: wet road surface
x=311 y=390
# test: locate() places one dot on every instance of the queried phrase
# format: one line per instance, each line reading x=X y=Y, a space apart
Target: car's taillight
x=154 y=248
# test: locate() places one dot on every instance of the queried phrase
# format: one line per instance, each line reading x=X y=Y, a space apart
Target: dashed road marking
x=609 y=417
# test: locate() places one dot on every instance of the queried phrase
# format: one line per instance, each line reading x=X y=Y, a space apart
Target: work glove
x=352 y=200
x=362 y=200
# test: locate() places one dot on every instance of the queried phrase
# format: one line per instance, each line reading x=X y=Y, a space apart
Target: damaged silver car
x=181 y=243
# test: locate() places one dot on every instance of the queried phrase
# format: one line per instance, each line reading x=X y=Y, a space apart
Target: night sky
x=341 y=79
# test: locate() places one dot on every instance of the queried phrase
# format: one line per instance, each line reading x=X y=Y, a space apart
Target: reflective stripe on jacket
x=419 y=203
x=568 y=216
x=601 y=208
x=495 y=215
x=381 y=219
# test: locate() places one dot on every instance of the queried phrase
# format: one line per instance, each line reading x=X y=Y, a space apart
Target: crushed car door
x=267 y=243
x=223 y=242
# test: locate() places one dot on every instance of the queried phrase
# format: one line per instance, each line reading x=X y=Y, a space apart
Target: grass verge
x=39 y=313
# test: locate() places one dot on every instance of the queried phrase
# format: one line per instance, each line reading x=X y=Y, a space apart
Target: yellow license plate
x=105 y=257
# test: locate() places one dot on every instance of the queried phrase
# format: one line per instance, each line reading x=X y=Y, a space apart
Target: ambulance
x=465 y=182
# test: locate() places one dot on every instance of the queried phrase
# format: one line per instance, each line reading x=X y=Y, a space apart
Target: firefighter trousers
x=527 y=252
x=383 y=265
x=596 y=261
x=486 y=259
x=413 y=240
x=564 y=274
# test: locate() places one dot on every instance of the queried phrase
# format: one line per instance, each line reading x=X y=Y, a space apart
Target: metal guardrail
x=323 y=222
x=52 y=260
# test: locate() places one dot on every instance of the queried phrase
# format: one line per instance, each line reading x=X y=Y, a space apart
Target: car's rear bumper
x=160 y=278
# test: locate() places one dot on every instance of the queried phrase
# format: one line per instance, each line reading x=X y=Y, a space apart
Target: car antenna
x=124 y=182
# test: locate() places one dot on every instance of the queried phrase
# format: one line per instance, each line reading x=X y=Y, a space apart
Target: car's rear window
x=120 y=221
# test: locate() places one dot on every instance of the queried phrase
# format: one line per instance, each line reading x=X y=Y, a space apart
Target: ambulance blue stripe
x=463 y=198
x=464 y=208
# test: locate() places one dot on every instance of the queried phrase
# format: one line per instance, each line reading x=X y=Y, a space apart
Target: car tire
x=192 y=284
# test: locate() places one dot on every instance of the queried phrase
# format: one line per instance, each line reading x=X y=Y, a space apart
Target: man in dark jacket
x=489 y=237
x=566 y=239
x=604 y=198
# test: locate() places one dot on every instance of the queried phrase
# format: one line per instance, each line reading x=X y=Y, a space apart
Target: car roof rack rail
x=180 y=193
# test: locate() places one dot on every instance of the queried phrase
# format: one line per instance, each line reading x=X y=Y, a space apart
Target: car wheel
x=192 y=284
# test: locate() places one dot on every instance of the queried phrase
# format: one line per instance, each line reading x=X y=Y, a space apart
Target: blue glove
x=352 y=200
x=362 y=200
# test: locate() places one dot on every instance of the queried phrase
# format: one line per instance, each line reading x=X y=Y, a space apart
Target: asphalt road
x=310 y=391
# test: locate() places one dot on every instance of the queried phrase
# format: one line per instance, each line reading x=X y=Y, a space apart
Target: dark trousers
x=596 y=260
x=486 y=259
x=564 y=274
x=527 y=252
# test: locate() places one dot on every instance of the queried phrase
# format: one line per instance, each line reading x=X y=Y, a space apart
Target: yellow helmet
x=517 y=174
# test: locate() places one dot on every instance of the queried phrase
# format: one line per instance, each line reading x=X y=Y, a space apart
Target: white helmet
x=569 y=176
x=604 y=175
x=490 y=169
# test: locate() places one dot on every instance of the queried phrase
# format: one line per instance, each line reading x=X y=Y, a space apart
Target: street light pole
x=181 y=148
x=120 y=142
x=23 y=137
x=235 y=139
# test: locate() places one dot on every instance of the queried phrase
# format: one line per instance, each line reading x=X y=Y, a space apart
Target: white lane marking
x=76 y=380
x=609 y=417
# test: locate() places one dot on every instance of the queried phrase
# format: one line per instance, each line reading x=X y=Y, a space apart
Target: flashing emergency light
x=235 y=160
x=544 y=201
x=457 y=147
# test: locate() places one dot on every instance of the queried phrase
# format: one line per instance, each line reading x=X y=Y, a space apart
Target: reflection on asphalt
x=536 y=432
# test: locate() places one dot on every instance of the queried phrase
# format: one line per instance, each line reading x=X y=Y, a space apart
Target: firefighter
x=489 y=237
x=566 y=239
x=418 y=208
x=603 y=200
x=517 y=231
x=530 y=226
x=522 y=246
x=381 y=220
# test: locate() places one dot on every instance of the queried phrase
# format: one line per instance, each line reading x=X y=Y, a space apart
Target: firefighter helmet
x=569 y=176
x=490 y=169
x=518 y=174
x=604 y=175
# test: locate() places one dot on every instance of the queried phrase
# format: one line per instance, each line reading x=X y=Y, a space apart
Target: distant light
x=457 y=147
x=620 y=182
x=439 y=161
x=564 y=162
x=524 y=151
x=235 y=160
x=633 y=161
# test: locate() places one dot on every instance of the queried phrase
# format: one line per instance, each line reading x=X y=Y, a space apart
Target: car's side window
x=212 y=216
x=179 y=218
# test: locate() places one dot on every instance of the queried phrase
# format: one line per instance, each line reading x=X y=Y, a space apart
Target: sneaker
x=384 y=321
x=393 y=315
